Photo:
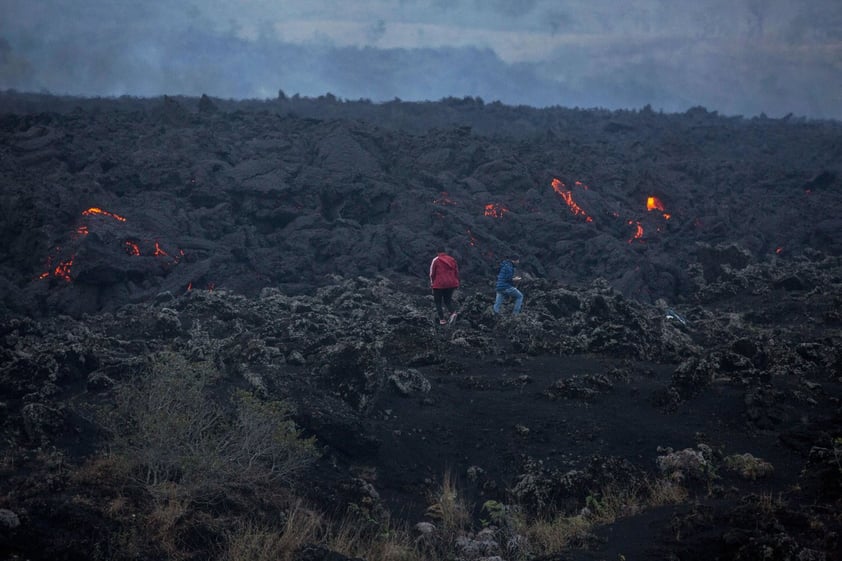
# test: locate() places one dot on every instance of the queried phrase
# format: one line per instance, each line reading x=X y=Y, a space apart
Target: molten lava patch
x=495 y=210
x=566 y=194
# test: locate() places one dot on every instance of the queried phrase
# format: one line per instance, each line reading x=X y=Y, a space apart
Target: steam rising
x=736 y=57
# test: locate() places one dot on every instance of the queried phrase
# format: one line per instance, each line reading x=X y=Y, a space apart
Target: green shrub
x=181 y=442
x=748 y=466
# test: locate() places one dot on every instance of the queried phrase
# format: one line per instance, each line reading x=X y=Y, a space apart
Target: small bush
x=748 y=467
x=180 y=442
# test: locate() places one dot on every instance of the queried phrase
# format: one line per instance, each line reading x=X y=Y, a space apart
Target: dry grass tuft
x=666 y=491
x=448 y=507
x=386 y=544
x=255 y=542
x=556 y=534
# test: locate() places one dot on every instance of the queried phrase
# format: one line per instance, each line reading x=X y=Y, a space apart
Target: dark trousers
x=443 y=296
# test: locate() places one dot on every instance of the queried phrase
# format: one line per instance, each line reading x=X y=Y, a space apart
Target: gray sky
x=738 y=57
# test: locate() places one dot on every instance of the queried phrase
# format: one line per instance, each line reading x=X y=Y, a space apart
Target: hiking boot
x=452 y=317
x=442 y=322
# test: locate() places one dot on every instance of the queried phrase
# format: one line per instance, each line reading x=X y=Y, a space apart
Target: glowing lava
x=132 y=248
x=96 y=210
x=654 y=203
x=61 y=271
x=160 y=252
x=566 y=194
x=495 y=210
x=638 y=232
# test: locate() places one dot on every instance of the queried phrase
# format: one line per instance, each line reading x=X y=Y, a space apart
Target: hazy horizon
x=743 y=57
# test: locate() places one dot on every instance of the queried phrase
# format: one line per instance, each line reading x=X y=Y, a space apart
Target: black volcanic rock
x=244 y=196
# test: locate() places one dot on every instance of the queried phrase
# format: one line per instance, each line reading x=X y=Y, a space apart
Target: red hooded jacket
x=444 y=272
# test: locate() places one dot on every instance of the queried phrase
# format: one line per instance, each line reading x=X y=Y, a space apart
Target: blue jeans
x=505 y=294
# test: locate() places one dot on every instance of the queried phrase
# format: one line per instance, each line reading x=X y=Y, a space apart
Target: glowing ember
x=60 y=271
x=495 y=210
x=444 y=200
x=471 y=239
x=63 y=269
x=95 y=210
x=132 y=248
x=566 y=194
x=160 y=252
x=638 y=233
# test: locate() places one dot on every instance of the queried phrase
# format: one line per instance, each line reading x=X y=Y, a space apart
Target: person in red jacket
x=444 y=280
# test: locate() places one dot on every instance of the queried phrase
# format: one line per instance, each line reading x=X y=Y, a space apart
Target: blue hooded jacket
x=504 y=277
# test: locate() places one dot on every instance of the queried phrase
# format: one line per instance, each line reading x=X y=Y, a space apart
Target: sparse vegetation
x=666 y=491
x=748 y=467
x=558 y=533
x=448 y=507
x=384 y=543
x=182 y=449
x=258 y=542
x=182 y=444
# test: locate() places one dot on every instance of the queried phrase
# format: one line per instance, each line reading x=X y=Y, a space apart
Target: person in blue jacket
x=505 y=287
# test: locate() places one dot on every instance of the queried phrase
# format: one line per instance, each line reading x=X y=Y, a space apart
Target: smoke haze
x=738 y=57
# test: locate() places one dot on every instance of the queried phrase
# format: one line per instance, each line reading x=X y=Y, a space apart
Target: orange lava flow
x=654 y=203
x=566 y=194
x=96 y=210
